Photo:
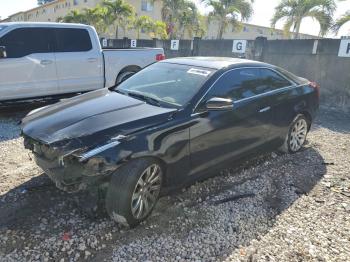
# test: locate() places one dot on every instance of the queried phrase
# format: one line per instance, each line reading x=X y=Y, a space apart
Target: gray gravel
x=273 y=208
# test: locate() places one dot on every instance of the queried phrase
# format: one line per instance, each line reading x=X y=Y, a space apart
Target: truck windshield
x=172 y=84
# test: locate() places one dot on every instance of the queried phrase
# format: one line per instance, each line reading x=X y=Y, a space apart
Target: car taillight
x=160 y=57
x=316 y=87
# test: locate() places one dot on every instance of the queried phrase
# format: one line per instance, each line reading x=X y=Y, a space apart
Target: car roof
x=215 y=62
x=43 y=24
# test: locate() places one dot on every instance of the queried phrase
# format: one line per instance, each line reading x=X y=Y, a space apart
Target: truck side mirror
x=3 y=53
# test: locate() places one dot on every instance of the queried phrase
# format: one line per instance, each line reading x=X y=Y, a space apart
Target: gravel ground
x=273 y=208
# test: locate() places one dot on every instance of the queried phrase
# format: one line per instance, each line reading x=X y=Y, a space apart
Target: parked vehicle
x=46 y=59
x=168 y=125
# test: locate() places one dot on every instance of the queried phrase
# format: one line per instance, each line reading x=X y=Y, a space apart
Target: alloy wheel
x=146 y=192
x=298 y=135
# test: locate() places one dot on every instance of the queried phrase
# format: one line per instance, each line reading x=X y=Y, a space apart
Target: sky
x=263 y=11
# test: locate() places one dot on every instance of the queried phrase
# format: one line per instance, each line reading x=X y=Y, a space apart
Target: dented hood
x=100 y=112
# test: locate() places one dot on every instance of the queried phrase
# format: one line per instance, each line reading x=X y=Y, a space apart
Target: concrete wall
x=324 y=66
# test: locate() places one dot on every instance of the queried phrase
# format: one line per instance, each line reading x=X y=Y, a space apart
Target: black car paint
x=190 y=142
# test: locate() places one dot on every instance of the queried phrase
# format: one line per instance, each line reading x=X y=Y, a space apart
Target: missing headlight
x=97 y=150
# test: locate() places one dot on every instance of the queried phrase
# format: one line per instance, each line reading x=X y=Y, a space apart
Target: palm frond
x=341 y=22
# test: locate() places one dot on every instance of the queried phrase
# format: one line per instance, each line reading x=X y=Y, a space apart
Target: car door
x=79 y=61
x=220 y=135
x=29 y=70
x=284 y=98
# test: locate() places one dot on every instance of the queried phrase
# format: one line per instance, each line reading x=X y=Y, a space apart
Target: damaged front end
x=73 y=170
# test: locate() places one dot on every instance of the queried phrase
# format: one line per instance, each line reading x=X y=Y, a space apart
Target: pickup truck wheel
x=296 y=135
x=133 y=191
x=123 y=76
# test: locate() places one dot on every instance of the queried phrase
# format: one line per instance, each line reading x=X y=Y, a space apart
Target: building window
x=75 y=2
x=146 y=6
x=245 y=29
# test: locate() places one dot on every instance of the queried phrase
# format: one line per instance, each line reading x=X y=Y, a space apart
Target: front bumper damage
x=67 y=170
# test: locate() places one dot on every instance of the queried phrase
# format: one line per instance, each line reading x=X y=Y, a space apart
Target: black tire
x=287 y=146
x=121 y=190
x=123 y=76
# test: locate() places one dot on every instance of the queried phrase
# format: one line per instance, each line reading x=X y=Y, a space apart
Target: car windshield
x=172 y=84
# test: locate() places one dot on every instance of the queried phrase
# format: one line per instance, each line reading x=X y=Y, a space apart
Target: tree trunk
x=116 y=32
x=183 y=33
x=221 y=30
x=297 y=29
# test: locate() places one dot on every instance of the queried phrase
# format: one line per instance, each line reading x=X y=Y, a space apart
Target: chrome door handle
x=46 y=62
x=91 y=60
x=265 y=109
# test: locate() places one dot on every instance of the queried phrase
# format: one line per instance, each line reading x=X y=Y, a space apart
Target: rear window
x=2 y=27
x=273 y=80
x=296 y=79
x=72 y=40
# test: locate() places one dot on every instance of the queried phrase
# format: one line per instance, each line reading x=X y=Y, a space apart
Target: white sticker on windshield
x=198 y=72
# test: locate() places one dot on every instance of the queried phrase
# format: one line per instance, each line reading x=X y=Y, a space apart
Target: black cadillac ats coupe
x=168 y=125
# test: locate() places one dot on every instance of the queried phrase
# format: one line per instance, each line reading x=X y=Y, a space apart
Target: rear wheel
x=134 y=191
x=296 y=135
x=124 y=75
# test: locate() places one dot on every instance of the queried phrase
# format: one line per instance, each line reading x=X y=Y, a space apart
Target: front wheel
x=296 y=135
x=133 y=191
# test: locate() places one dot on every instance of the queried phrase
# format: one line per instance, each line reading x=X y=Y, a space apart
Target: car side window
x=72 y=40
x=26 y=41
x=273 y=80
x=237 y=84
x=247 y=82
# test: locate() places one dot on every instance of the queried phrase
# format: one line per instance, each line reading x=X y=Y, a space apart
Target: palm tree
x=170 y=15
x=294 y=11
x=152 y=27
x=178 y=14
x=341 y=21
x=159 y=30
x=200 y=28
x=143 y=23
x=73 y=16
x=94 y=17
x=89 y=16
x=188 y=19
x=227 y=12
x=117 y=13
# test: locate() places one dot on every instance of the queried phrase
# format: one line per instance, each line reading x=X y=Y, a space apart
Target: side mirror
x=3 y=53
x=218 y=103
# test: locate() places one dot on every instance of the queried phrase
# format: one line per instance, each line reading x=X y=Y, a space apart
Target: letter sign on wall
x=133 y=43
x=104 y=42
x=239 y=46
x=344 y=49
x=174 y=45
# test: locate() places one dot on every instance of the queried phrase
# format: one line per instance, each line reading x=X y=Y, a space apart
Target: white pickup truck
x=48 y=59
